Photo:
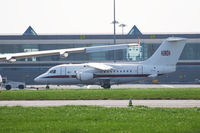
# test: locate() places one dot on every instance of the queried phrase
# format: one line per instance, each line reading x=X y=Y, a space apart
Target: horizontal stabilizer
x=153 y=75
x=175 y=39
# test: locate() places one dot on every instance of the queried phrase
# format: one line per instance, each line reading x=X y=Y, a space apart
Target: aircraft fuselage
x=81 y=74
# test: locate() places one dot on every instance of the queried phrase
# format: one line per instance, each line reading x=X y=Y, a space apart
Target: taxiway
x=105 y=103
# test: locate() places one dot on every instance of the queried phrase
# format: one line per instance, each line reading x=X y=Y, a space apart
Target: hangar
x=188 y=68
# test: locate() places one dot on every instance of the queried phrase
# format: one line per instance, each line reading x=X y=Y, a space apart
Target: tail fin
x=168 y=53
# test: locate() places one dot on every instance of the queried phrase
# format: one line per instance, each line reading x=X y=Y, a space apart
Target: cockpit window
x=52 y=71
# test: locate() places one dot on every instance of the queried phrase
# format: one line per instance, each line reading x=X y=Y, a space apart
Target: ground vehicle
x=12 y=84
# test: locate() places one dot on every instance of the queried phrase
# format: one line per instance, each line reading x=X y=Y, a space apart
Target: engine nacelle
x=84 y=76
x=63 y=55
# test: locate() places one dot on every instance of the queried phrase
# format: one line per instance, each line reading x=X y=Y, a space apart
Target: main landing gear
x=105 y=84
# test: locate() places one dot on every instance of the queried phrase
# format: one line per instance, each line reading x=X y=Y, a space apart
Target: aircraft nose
x=37 y=79
x=40 y=79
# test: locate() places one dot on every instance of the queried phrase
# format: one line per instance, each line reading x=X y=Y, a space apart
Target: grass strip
x=95 y=94
x=84 y=119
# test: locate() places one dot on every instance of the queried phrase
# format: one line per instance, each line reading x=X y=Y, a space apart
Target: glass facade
x=136 y=53
x=30 y=41
x=191 y=51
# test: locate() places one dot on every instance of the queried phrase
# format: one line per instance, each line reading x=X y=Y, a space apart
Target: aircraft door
x=140 y=69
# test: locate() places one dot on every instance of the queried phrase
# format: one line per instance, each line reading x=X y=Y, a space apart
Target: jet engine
x=84 y=76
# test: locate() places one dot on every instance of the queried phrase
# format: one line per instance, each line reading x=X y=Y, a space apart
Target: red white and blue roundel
x=165 y=53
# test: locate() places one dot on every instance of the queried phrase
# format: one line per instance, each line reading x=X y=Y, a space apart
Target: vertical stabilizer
x=168 y=53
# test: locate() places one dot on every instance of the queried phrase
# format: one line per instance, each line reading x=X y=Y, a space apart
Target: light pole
x=114 y=23
x=122 y=25
x=114 y=36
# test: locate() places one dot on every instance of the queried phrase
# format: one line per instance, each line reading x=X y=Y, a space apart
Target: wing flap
x=100 y=66
x=108 y=48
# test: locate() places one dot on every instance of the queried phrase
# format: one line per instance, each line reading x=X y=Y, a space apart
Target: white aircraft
x=12 y=57
x=163 y=61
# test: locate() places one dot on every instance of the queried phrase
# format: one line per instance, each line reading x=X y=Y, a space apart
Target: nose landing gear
x=47 y=86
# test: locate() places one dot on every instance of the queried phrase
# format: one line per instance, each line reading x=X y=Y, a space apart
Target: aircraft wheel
x=8 y=87
x=47 y=87
x=21 y=86
x=106 y=86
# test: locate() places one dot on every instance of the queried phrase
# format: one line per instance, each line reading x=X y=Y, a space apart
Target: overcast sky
x=95 y=16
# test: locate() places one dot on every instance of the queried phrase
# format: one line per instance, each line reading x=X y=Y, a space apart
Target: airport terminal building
x=188 y=67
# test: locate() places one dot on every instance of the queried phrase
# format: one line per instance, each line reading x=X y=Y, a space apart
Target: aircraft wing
x=100 y=66
x=63 y=52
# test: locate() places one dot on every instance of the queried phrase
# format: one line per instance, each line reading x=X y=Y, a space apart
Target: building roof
x=29 y=31
x=134 y=31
